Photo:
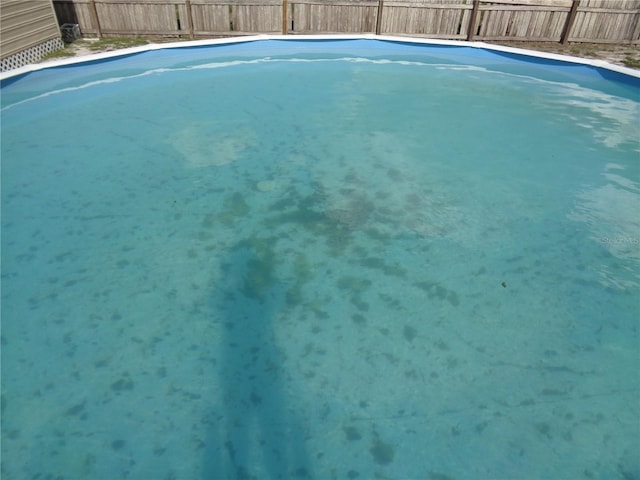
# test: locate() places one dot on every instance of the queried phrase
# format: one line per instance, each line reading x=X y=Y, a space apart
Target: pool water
x=320 y=260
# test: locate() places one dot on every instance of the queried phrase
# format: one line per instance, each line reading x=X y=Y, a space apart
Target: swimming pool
x=337 y=258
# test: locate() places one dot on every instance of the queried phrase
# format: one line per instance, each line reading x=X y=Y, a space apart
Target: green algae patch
x=302 y=274
x=379 y=264
x=382 y=452
x=259 y=278
x=409 y=333
x=352 y=433
x=261 y=267
x=353 y=284
x=436 y=290
x=234 y=207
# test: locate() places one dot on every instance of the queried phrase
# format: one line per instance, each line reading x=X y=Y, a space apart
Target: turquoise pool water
x=289 y=259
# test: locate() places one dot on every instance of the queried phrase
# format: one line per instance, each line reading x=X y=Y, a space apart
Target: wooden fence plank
x=635 y=35
x=95 y=19
x=186 y=12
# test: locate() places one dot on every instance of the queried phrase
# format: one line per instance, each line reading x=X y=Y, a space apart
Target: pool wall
x=608 y=70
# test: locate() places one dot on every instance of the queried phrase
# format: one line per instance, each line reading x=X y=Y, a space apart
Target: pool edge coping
x=252 y=38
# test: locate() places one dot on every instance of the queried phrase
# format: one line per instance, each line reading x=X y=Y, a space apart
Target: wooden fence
x=598 y=21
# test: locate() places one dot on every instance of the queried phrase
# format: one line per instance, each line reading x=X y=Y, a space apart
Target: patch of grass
x=631 y=62
x=585 y=50
x=62 y=53
x=116 y=43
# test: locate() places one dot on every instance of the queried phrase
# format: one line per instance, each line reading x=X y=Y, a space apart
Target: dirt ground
x=618 y=54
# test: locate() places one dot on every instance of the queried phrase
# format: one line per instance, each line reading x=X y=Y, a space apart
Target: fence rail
x=598 y=21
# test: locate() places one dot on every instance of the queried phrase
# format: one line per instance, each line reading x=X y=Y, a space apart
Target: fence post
x=472 y=21
x=379 y=17
x=94 y=17
x=285 y=28
x=187 y=7
x=569 y=23
x=636 y=30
